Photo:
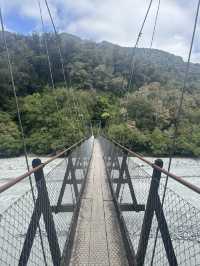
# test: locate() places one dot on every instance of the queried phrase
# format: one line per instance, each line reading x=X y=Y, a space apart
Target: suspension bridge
x=98 y=206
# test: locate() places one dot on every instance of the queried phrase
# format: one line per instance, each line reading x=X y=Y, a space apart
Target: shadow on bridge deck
x=98 y=239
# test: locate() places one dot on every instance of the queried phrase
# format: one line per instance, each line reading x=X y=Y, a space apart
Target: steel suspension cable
x=75 y=103
x=14 y=89
x=51 y=77
x=58 y=43
x=20 y=121
x=50 y=66
x=46 y=46
x=137 y=42
x=155 y=24
x=47 y=53
x=132 y=63
x=59 y=51
x=177 y=117
x=49 y=60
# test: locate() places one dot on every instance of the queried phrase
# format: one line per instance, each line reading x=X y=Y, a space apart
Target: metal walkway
x=98 y=239
x=99 y=208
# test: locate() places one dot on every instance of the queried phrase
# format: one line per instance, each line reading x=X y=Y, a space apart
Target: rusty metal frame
x=153 y=206
x=66 y=255
x=42 y=206
x=124 y=178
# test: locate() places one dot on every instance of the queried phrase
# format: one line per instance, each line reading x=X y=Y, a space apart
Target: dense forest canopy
x=97 y=76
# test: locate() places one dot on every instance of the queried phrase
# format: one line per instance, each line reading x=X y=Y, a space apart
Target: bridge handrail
x=17 y=179
x=169 y=174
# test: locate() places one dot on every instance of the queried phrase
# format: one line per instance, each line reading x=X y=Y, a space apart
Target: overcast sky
x=117 y=21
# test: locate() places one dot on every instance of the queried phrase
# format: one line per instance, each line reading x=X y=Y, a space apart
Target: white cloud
x=26 y=8
x=119 y=21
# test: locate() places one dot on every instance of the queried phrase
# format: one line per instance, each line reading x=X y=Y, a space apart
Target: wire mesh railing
x=162 y=227
x=37 y=228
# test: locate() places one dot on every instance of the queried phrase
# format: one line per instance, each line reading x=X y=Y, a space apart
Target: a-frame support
x=42 y=206
x=154 y=205
x=125 y=178
x=71 y=170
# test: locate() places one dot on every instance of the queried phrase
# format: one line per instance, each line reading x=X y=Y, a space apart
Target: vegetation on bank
x=142 y=118
x=143 y=121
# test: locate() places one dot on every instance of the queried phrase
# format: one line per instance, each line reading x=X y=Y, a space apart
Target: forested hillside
x=101 y=66
x=97 y=74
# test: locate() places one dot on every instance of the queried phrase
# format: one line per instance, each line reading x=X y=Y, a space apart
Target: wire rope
x=61 y=57
x=177 y=117
x=51 y=78
x=20 y=122
x=132 y=63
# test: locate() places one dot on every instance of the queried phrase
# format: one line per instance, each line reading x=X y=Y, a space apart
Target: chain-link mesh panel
x=32 y=231
x=183 y=220
x=174 y=235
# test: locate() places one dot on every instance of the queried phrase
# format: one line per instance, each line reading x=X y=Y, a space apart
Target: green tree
x=159 y=142
x=142 y=112
x=132 y=138
x=10 y=140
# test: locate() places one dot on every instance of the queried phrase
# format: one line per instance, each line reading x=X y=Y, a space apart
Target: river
x=11 y=168
x=185 y=167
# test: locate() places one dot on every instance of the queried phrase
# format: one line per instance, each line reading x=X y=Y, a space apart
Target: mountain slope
x=102 y=66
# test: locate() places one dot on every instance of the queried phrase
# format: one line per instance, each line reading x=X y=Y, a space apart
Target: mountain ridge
x=88 y=65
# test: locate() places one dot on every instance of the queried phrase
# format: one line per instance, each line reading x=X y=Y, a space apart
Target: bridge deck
x=98 y=240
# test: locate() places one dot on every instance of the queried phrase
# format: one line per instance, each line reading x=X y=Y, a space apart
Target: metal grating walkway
x=98 y=239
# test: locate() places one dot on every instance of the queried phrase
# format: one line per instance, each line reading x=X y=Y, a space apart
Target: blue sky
x=117 y=21
x=21 y=24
